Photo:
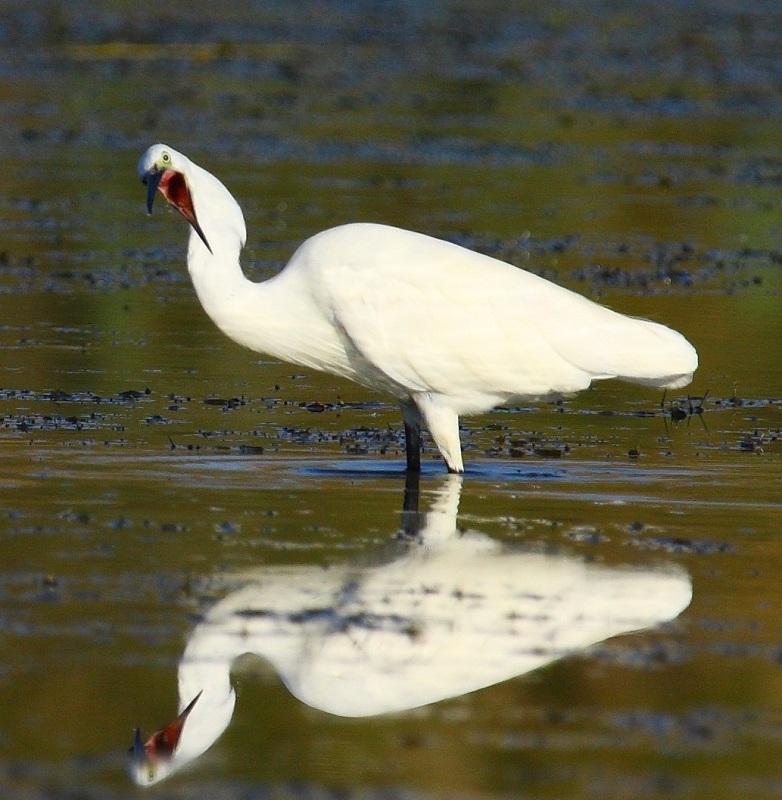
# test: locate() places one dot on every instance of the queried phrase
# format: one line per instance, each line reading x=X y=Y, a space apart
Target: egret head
x=162 y=168
x=151 y=761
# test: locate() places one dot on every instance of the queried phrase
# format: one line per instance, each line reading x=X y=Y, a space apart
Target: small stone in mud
x=679 y=544
x=172 y=527
x=75 y=516
x=134 y=394
x=59 y=396
x=548 y=452
x=227 y=404
x=587 y=534
x=635 y=527
x=227 y=528
x=250 y=450
x=50 y=586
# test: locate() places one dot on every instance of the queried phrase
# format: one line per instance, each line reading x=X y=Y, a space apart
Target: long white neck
x=215 y=271
x=228 y=631
x=278 y=316
x=205 y=668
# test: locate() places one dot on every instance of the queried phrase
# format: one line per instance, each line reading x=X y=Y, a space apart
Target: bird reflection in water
x=452 y=612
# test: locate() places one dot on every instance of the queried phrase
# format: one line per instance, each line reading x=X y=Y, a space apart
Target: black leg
x=413 y=447
x=412 y=417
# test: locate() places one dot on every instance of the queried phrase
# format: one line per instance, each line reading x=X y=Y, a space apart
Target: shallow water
x=150 y=465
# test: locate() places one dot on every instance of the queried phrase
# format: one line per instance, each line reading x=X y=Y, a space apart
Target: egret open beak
x=152 y=180
x=174 y=188
x=145 y=757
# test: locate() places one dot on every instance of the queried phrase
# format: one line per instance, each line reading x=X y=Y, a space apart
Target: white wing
x=430 y=316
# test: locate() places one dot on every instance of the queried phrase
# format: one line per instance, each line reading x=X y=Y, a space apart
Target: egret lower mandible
x=445 y=330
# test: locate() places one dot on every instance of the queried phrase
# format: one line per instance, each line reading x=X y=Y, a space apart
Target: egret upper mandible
x=443 y=329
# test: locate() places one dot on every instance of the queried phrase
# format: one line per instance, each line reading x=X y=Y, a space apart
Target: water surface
x=148 y=463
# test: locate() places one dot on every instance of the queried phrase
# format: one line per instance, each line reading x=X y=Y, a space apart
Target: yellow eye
x=166 y=158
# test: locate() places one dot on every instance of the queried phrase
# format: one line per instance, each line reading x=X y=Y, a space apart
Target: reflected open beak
x=137 y=752
x=162 y=744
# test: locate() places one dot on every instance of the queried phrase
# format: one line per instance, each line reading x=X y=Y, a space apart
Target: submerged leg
x=412 y=436
x=412 y=519
x=443 y=425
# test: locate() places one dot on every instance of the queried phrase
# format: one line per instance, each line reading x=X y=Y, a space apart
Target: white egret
x=450 y=613
x=445 y=330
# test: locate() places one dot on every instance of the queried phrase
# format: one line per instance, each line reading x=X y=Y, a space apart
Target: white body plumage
x=445 y=330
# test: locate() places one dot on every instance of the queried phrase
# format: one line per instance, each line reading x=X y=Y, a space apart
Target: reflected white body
x=445 y=330
x=453 y=613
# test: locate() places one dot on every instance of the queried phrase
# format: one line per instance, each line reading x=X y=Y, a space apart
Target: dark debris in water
x=585 y=534
x=636 y=266
x=493 y=440
x=697 y=728
x=682 y=544
x=537 y=447
x=226 y=403
x=761 y=441
x=683 y=266
x=60 y=396
x=27 y=421
x=747 y=402
x=238 y=449
x=27 y=274
x=20 y=781
x=644 y=655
